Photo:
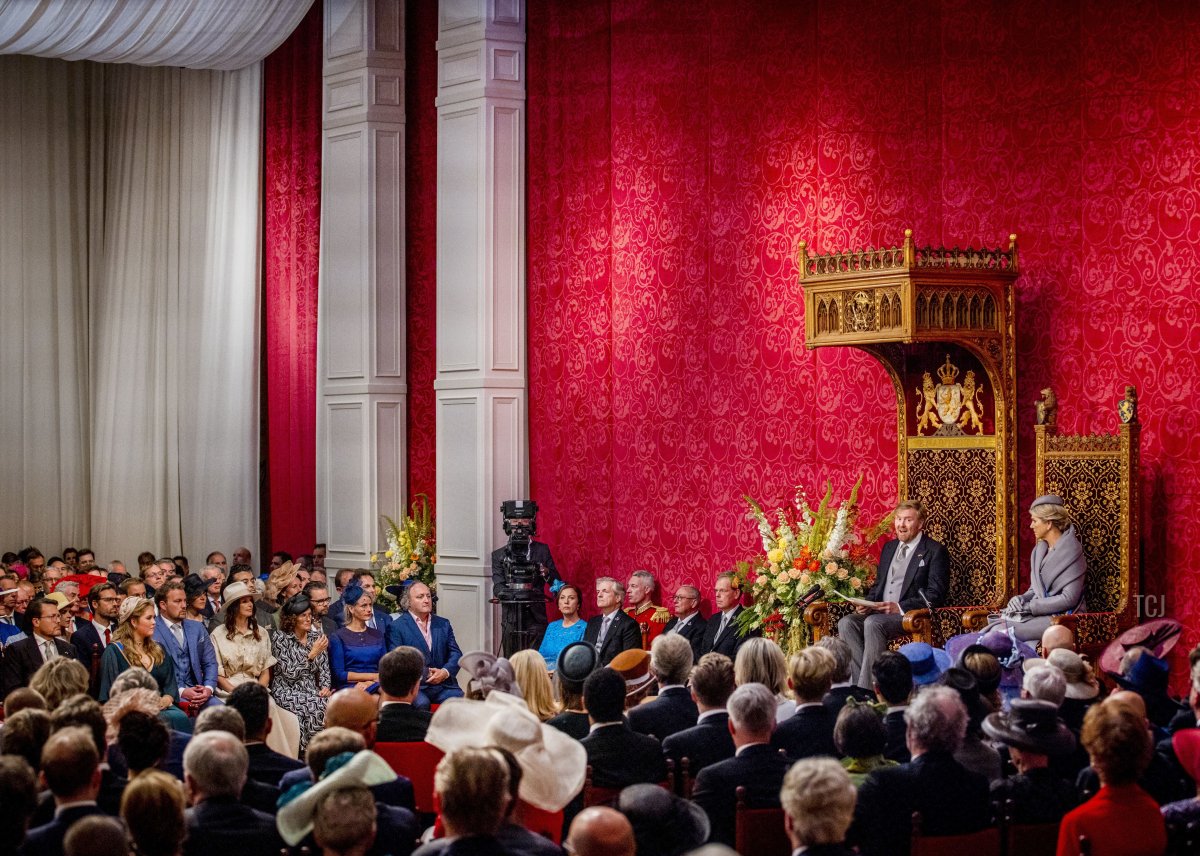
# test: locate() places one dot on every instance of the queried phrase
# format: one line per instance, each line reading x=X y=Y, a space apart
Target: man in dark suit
x=92 y=637
x=708 y=741
x=617 y=754
x=721 y=634
x=71 y=768
x=25 y=656
x=843 y=681
x=264 y=765
x=818 y=804
x=673 y=710
x=951 y=799
x=400 y=674
x=215 y=765
x=756 y=766
x=893 y=679
x=334 y=740
x=612 y=631
x=687 y=621
x=914 y=571
x=808 y=731
x=188 y=645
x=432 y=635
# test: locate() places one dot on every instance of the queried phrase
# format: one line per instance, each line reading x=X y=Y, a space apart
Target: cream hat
x=366 y=769
x=553 y=764
x=236 y=592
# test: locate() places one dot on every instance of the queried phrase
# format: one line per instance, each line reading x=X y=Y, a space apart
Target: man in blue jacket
x=188 y=644
x=433 y=636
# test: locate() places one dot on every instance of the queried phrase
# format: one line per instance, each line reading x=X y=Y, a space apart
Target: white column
x=482 y=427
x=361 y=400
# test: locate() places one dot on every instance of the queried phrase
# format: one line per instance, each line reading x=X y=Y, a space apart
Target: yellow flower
x=374 y=558
x=388 y=554
x=775 y=556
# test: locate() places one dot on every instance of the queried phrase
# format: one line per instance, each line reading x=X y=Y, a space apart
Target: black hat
x=662 y=822
x=963 y=682
x=297 y=604
x=193 y=586
x=575 y=663
x=1032 y=725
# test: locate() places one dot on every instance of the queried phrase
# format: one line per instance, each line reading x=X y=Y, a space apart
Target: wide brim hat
x=1186 y=743
x=1031 y=725
x=236 y=592
x=84 y=581
x=489 y=673
x=59 y=598
x=1148 y=677
x=663 y=822
x=1009 y=651
x=365 y=769
x=575 y=662
x=634 y=667
x=1081 y=683
x=927 y=662
x=553 y=763
x=1158 y=637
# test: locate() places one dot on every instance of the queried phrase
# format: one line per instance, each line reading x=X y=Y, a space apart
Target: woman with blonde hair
x=59 y=679
x=533 y=679
x=761 y=661
x=153 y=809
x=133 y=645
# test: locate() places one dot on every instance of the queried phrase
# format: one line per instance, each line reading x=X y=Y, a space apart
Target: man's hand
x=889 y=608
x=437 y=676
x=192 y=694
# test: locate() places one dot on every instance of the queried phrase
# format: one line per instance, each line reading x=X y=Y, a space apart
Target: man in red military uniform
x=651 y=619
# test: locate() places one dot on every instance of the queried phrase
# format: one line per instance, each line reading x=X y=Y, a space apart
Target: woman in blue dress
x=134 y=645
x=356 y=649
x=567 y=629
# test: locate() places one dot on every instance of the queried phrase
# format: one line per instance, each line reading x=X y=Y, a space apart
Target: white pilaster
x=482 y=426
x=361 y=398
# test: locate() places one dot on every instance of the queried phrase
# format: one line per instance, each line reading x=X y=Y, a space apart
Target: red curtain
x=679 y=152
x=291 y=238
x=420 y=236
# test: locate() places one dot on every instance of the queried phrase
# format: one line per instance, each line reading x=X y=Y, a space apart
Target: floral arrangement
x=802 y=548
x=411 y=552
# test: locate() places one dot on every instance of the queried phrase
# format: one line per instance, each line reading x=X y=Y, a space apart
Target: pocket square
x=921 y=563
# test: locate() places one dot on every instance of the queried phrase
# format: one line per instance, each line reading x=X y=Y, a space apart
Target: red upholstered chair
x=417 y=762
x=545 y=823
x=759 y=831
x=986 y=842
x=1031 y=839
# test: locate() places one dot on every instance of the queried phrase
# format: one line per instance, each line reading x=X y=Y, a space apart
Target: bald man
x=354 y=709
x=1057 y=636
x=601 y=831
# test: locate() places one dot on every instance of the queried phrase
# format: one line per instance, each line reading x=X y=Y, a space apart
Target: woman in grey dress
x=300 y=681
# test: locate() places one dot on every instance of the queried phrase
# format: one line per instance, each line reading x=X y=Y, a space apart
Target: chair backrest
x=417 y=762
x=759 y=831
x=986 y=842
x=1031 y=839
x=1183 y=838
x=545 y=823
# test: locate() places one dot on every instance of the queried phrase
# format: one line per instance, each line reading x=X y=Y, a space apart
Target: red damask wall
x=678 y=153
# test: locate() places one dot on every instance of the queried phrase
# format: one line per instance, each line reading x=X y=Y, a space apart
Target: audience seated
x=70 y=767
x=333 y=741
x=188 y=645
x=843 y=681
x=951 y=799
x=25 y=656
x=975 y=754
x=97 y=835
x=18 y=795
x=152 y=809
x=84 y=711
x=860 y=739
x=575 y=663
x=59 y=679
x=344 y=823
x=721 y=633
x=21 y=699
x=143 y=740
x=1056 y=637
x=300 y=678
x=709 y=740
x=892 y=678
x=809 y=731
x=818 y=804
x=24 y=735
x=400 y=673
x=92 y=637
x=1081 y=690
x=601 y=831
x=1186 y=747
x=613 y=630
x=136 y=689
x=533 y=682
x=253 y=702
x=761 y=661
x=134 y=646
x=1121 y=819
x=756 y=765
x=1033 y=734
x=215 y=766
x=617 y=754
x=471 y=785
x=687 y=620
x=255 y=794
x=433 y=636
x=673 y=710
x=1148 y=676
x=663 y=824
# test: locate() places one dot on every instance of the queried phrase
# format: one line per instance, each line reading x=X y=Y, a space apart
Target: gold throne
x=927 y=312
x=1097 y=477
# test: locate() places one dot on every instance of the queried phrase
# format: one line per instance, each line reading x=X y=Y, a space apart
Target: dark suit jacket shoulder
x=47 y=840
x=671 y=712
x=705 y=743
x=623 y=635
x=759 y=769
x=620 y=757
x=725 y=642
x=928 y=569
x=225 y=825
x=693 y=632
x=806 y=733
x=267 y=765
x=22 y=658
x=402 y=723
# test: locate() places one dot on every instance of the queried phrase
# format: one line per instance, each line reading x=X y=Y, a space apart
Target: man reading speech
x=914 y=572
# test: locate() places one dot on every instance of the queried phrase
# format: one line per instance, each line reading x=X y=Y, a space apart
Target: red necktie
x=107 y=636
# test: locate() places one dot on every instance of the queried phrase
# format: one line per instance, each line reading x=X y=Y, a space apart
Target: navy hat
x=928 y=662
x=194 y=586
x=575 y=663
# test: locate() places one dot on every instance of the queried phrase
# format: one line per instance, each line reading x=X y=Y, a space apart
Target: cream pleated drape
x=129 y=232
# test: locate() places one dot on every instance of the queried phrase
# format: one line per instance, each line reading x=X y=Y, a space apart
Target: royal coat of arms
x=949 y=409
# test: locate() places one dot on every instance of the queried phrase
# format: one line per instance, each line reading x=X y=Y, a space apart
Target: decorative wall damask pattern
x=679 y=152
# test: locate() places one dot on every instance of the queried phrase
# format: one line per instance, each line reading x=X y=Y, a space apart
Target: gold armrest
x=919 y=624
x=975 y=618
x=816 y=615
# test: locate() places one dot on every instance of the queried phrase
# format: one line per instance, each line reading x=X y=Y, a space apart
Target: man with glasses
x=23 y=658
x=687 y=621
x=214 y=577
x=318 y=597
x=92 y=637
